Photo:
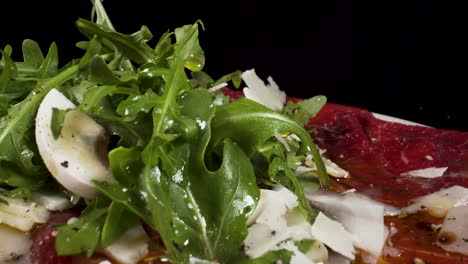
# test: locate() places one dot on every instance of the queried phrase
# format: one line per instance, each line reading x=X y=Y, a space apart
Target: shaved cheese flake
x=276 y=224
x=430 y=173
x=453 y=236
x=334 y=235
x=361 y=216
x=451 y=203
x=332 y=168
x=22 y=214
x=454 y=196
x=390 y=250
x=217 y=87
x=20 y=207
x=51 y=201
x=15 y=246
x=18 y=222
x=336 y=258
x=131 y=247
x=318 y=252
x=283 y=141
x=272 y=205
x=194 y=260
x=268 y=95
x=298 y=257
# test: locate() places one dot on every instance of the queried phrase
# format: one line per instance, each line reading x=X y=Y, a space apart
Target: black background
x=388 y=57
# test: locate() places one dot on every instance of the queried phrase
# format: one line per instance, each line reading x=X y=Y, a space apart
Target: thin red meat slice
x=377 y=152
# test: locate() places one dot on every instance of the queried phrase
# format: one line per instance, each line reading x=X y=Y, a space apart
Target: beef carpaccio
x=377 y=153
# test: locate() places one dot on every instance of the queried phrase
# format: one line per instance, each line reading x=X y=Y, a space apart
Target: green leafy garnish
x=83 y=235
x=303 y=111
x=187 y=162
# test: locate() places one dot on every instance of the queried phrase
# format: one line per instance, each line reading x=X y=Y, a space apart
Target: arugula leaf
x=32 y=53
x=118 y=220
x=134 y=105
x=133 y=46
x=234 y=77
x=100 y=72
x=93 y=48
x=49 y=66
x=189 y=50
x=175 y=201
x=208 y=225
x=21 y=193
x=201 y=79
x=83 y=235
x=101 y=15
x=98 y=103
x=279 y=172
x=251 y=124
x=56 y=125
x=303 y=111
x=273 y=256
x=8 y=70
x=164 y=49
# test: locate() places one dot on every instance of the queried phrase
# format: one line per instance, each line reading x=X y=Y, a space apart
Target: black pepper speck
x=64 y=164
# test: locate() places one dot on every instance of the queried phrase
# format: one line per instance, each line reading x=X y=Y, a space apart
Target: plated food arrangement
x=132 y=154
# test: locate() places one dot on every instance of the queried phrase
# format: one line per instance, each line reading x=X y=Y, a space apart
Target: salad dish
x=133 y=154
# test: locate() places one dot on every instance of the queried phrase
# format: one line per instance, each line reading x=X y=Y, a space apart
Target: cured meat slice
x=378 y=154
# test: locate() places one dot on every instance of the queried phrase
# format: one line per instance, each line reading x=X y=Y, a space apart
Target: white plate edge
x=396 y=120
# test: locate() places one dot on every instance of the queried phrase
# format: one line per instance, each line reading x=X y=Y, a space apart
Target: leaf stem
x=32 y=101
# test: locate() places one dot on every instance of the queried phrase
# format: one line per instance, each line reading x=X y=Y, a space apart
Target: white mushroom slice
x=76 y=157
x=15 y=246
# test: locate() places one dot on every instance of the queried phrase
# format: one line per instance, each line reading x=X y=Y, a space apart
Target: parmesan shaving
x=453 y=236
x=361 y=216
x=451 y=203
x=268 y=95
x=430 y=173
x=332 y=168
x=334 y=235
x=15 y=246
x=22 y=214
x=217 y=87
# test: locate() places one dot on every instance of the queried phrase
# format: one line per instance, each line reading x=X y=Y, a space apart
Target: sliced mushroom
x=79 y=155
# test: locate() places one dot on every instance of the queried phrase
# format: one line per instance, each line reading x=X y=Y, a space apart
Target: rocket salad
x=183 y=158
